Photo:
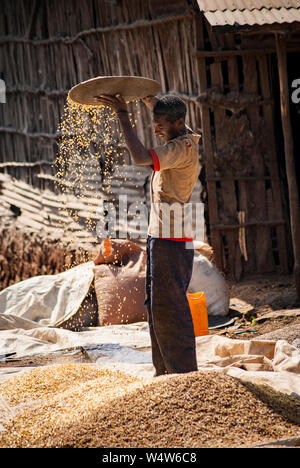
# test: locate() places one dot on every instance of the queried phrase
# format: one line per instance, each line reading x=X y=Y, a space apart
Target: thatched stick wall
x=50 y=46
x=68 y=44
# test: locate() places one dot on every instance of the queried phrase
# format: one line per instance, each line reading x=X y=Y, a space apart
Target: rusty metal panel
x=222 y=5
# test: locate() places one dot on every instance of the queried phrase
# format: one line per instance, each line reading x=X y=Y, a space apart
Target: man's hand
x=116 y=103
x=139 y=153
x=150 y=102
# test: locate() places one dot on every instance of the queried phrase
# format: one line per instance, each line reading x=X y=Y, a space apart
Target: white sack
x=207 y=278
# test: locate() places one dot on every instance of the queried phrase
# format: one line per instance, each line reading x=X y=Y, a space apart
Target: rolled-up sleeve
x=156 y=165
x=168 y=156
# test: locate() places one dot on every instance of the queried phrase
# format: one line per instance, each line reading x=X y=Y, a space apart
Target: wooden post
x=201 y=78
x=289 y=155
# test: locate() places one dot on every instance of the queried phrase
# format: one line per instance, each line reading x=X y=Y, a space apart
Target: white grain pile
x=78 y=405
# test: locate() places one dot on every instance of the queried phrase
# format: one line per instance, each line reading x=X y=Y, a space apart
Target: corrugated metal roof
x=250 y=12
x=254 y=17
x=221 y=5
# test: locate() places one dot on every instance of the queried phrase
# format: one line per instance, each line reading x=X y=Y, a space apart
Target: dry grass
x=78 y=405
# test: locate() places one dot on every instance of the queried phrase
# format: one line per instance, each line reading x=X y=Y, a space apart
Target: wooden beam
x=230 y=227
x=233 y=266
x=257 y=209
x=257 y=28
x=239 y=52
x=275 y=205
x=211 y=185
x=247 y=178
x=232 y=53
x=201 y=80
x=289 y=154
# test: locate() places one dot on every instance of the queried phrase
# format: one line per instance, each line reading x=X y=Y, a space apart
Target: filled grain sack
x=113 y=257
x=207 y=278
x=119 y=280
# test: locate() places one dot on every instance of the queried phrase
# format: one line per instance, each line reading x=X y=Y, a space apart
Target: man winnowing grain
x=169 y=262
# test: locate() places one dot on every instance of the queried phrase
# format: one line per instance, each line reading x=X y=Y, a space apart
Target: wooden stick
x=33 y=17
x=261 y=249
x=211 y=185
x=17 y=131
x=276 y=183
x=226 y=227
x=242 y=235
x=31 y=90
x=235 y=106
x=228 y=195
x=26 y=164
x=245 y=238
x=289 y=155
x=237 y=177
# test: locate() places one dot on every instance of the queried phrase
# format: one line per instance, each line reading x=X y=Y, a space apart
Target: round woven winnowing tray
x=131 y=88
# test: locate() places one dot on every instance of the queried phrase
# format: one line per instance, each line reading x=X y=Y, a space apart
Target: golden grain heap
x=78 y=405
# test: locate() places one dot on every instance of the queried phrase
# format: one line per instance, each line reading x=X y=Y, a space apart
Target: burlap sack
x=120 y=284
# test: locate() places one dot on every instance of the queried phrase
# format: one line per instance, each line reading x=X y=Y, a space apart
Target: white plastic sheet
x=45 y=300
x=30 y=310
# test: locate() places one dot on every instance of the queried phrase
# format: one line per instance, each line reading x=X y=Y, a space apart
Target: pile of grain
x=78 y=405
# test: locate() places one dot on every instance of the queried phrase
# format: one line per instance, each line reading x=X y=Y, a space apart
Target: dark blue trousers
x=169 y=270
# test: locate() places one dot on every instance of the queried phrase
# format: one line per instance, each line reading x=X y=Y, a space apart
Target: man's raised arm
x=138 y=152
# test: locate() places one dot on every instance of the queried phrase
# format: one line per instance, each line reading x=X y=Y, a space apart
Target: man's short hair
x=172 y=106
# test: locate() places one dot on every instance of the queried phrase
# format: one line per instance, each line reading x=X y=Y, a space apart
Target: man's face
x=166 y=129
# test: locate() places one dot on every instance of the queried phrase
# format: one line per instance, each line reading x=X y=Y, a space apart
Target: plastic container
x=197 y=302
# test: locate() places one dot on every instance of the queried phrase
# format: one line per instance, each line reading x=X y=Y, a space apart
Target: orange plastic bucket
x=197 y=302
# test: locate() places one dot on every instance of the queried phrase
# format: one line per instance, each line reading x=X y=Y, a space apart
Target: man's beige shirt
x=176 y=169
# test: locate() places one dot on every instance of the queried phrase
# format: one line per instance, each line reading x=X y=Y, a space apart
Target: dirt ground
x=265 y=295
